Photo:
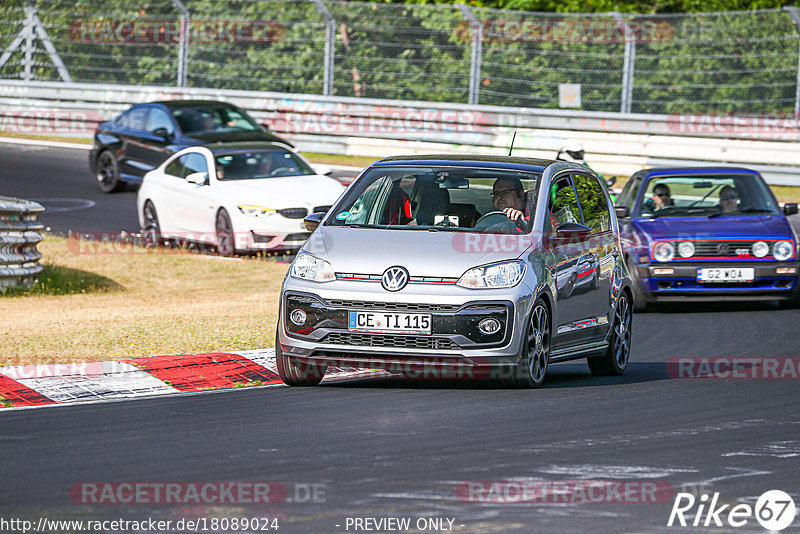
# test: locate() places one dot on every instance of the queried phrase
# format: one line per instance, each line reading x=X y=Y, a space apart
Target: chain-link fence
x=737 y=61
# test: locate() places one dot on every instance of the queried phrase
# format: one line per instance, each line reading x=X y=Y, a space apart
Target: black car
x=144 y=136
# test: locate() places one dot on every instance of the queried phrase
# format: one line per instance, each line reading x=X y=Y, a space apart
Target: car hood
x=744 y=227
x=284 y=192
x=423 y=253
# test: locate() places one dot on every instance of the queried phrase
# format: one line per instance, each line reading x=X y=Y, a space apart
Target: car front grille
x=384 y=340
x=294 y=213
x=402 y=306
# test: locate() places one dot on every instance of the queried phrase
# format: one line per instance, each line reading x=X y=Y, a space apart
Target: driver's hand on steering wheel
x=513 y=214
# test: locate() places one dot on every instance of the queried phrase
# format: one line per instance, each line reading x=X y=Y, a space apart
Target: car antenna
x=512 y=143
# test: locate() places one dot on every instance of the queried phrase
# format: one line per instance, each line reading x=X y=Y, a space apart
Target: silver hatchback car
x=459 y=267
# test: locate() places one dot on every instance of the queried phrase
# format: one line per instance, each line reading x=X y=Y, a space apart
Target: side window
x=594 y=207
x=136 y=118
x=175 y=168
x=193 y=163
x=158 y=118
x=625 y=194
x=563 y=203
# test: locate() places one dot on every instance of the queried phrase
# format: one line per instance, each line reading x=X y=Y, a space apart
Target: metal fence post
x=330 y=43
x=792 y=10
x=183 y=42
x=30 y=10
x=627 y=64
x=476 y=53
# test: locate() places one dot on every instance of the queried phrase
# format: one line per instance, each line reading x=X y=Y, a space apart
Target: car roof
x=468 y=160
x=191 y=103
x=226 y=147
x=694 y=171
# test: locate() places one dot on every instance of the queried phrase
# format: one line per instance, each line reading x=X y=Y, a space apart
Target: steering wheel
x=279 y=169
x=497 y=220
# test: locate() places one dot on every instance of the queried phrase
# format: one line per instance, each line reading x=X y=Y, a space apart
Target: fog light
x=298 y=317
x=663 y=271
x=786 y=270
x=489 y=326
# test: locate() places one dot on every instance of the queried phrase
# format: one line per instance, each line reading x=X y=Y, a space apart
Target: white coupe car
x=239 y=197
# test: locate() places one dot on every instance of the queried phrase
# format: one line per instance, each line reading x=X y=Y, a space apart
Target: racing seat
x=433 y=200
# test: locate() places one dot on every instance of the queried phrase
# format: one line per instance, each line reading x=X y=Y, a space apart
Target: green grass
x=60 y=280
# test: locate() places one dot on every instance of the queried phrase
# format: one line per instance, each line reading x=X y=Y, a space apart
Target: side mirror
x=611 y=181
x=322 y=169
x=621 y=212
x=790 y=209
x=161 y=132
x=198 y=178
x=312 y=221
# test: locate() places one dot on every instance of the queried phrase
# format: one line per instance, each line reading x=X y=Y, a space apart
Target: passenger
x=662 y=197
x=508 y=196
x=728 y=199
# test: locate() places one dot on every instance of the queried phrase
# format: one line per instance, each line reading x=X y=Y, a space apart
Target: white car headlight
x=760 y=249
x=497 y=275
x=255 y=211
x=663 y=251
x=309 y=267
x=783 y=250
x=686 y=249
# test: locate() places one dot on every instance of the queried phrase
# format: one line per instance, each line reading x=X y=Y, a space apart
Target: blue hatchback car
x=707 y=234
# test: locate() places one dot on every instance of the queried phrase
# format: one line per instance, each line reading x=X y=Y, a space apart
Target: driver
x=508 y=196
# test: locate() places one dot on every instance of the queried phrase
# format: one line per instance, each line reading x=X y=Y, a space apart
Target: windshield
x=707 y=196
x=213 y=119
x=453 y=199
x=254 y=164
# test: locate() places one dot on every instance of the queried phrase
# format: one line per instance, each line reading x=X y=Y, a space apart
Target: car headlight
x=760 y=249
x=494 y=276
x=309 y=267
x=783 y=250
x=663 y=251
x=255 y=211
x=686 y=249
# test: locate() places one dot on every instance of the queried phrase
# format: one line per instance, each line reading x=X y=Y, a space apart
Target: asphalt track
x=391 y=447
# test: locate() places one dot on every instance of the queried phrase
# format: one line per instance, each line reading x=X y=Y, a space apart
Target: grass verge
x=144 y=303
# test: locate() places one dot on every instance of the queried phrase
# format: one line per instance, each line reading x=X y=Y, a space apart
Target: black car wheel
x=151 y=229
x=226 y=244
x=108 y=173
x=532 y=366
x=296 y=373
x=615 y=360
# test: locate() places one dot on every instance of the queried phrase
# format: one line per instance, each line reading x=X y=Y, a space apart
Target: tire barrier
x=19 y=235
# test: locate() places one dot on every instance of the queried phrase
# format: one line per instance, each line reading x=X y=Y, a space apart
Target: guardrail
x=19 y=235
x=616 y=143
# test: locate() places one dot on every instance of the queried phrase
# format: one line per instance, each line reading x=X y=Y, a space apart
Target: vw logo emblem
x=394 y=279
x=722 y=249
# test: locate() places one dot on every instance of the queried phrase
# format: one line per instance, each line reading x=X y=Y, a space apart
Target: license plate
x=733 y=274
x=394 y=323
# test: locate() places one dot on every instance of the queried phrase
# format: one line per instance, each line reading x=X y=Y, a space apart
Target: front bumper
x=454 y=346
x=683 y=284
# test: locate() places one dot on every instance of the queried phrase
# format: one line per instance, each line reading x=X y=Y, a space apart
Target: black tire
x=532 y=367
x=640 y=303
x=297 y=373
x=226 y=239
x=615 y=360
x=151 y=229
x=107 y=173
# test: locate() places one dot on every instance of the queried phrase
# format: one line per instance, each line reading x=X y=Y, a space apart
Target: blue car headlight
x=663 y=251
x=783 y=250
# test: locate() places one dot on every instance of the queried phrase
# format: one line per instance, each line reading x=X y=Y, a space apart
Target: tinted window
x=193 y=163
x=158 y=118
x=175 y=168
x=133 y=119
x=212 y=118
x=593 y=203
x=563 y=203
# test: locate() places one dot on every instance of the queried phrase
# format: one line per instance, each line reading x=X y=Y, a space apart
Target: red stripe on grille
x=197 y=372
x=20 y=395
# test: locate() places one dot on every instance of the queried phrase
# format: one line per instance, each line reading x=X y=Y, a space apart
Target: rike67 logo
x=774 y=510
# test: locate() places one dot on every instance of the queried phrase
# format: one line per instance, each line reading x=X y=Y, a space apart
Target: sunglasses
x=662 y=194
